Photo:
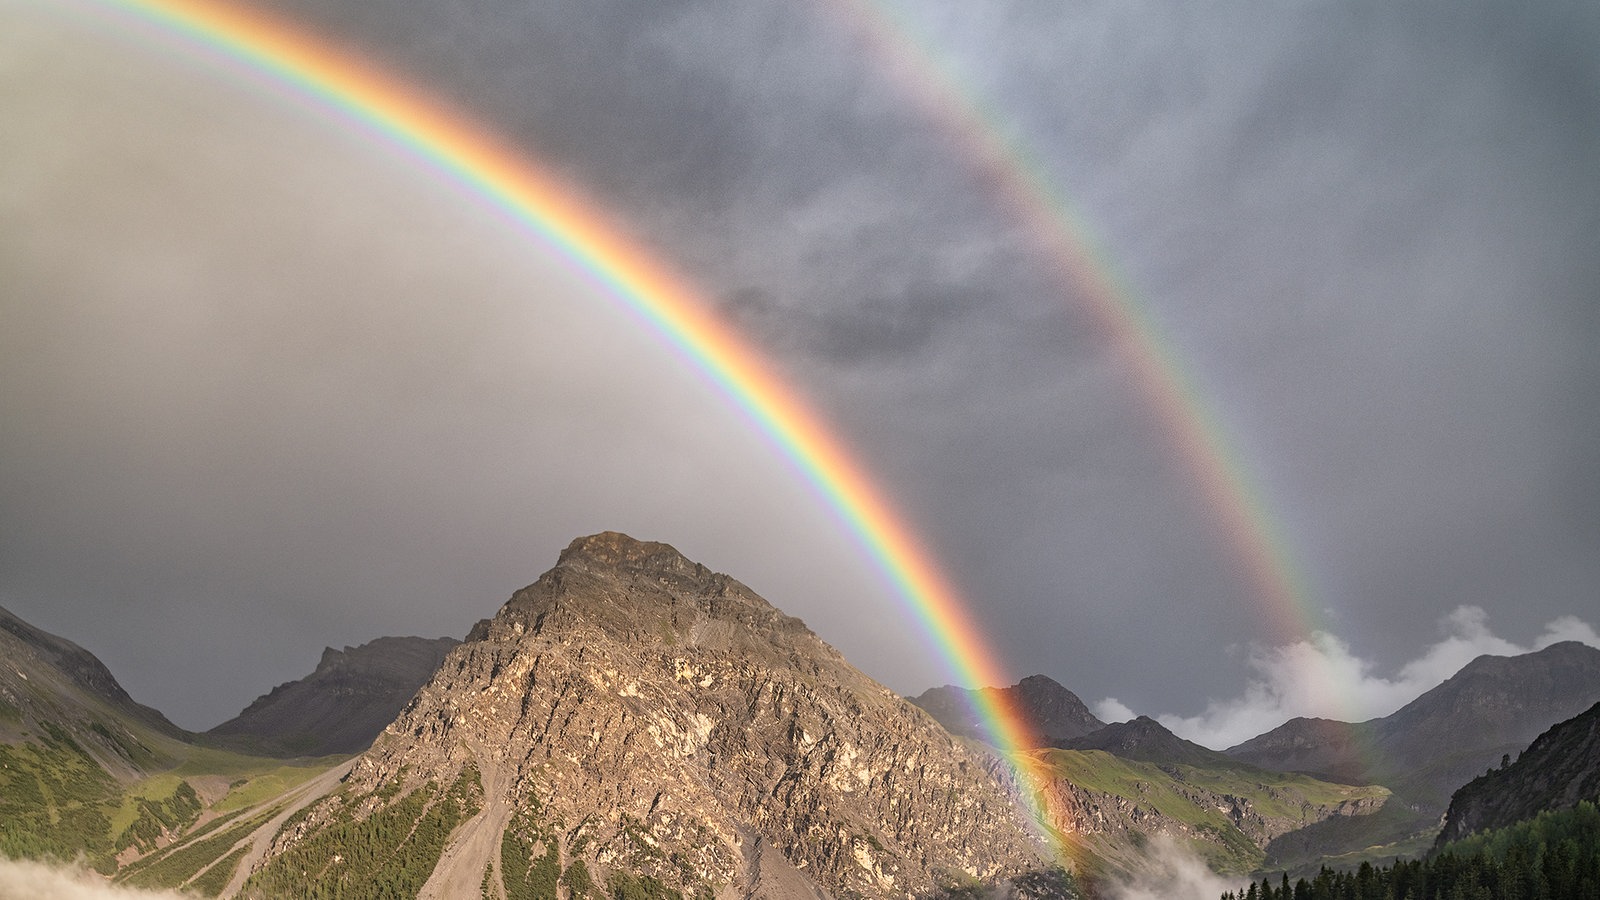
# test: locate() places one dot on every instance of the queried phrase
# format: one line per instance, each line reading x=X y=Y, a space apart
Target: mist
x=23 y=880
x=1170 y=871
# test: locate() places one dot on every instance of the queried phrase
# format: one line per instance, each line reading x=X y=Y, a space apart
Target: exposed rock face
x=664 y=721
x=1560 y=769
x=1495 y=705
x=343 y=705
x=1056 y=713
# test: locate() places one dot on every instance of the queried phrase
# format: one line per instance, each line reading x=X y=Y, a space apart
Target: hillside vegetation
x=1554 y=856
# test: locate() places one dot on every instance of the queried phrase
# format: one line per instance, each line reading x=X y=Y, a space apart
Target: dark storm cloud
x=1366 y=231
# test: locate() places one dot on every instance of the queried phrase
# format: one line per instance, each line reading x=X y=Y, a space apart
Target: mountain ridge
x=1492 y=706
x=342 y=705
x=1054 y=713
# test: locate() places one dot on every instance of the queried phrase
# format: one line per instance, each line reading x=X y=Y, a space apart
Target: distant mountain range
x=635 y=725
x=1425 y=750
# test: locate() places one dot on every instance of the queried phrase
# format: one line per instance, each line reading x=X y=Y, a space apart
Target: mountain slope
x=1560 y=769
x=343 y=705
x=1055 y=712
x=636 y=721
x=1119 y=786
x=50 y=678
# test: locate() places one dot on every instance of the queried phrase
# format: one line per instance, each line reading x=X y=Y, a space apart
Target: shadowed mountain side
x=1055 y=713
x=340 y=707
x=636 y=721
x=1560 y=769
x=44 y=669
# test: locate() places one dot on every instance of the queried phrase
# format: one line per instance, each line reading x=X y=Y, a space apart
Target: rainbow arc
x=664 y=301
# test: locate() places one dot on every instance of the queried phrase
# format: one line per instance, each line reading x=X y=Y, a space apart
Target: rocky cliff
x=639 y=721
x=1557 y=771
x=341 y=706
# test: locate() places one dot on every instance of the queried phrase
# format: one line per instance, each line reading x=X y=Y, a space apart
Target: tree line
x=1554 y=856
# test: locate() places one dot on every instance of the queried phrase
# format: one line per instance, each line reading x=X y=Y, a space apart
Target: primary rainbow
x=663 y=299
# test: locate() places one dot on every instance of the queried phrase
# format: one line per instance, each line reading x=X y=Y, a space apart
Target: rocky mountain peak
x=613 y=550
x=651 y=718
x=644 y=592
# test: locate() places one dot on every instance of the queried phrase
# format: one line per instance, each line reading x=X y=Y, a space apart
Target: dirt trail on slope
x=473 y=846
x=260 y=840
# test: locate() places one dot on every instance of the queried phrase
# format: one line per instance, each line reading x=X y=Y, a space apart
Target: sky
x=270 y=385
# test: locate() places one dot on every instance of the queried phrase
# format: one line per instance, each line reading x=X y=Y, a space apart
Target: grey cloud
x=1365 y=231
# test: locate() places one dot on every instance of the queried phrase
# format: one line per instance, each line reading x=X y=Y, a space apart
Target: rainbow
x=555 y=215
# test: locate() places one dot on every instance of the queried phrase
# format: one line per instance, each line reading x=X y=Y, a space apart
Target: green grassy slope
x=1226 y=814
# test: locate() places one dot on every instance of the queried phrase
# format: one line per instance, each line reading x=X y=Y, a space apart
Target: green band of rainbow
x=662 y=298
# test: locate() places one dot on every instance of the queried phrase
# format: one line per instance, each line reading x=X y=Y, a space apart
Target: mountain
x=1146 y=740
x=1495 y=705
x=1055 y=712
x=1557 y=771
x=339 y=708
x=636 y=721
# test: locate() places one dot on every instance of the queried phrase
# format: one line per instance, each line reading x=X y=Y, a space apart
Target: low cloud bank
x=1171 y=872
x=1322 y=677
x=24 y=880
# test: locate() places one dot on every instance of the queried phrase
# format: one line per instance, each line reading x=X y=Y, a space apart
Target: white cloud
x=1322 y=677
x=1568 y=628
x=1113 y=710
x=24 y=880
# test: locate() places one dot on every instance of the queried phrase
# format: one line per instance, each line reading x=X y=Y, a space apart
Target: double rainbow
x=665 y=302
x=662 y=299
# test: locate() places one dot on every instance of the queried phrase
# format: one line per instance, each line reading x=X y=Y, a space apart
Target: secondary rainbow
x=661 y=298
x=1260 y=543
